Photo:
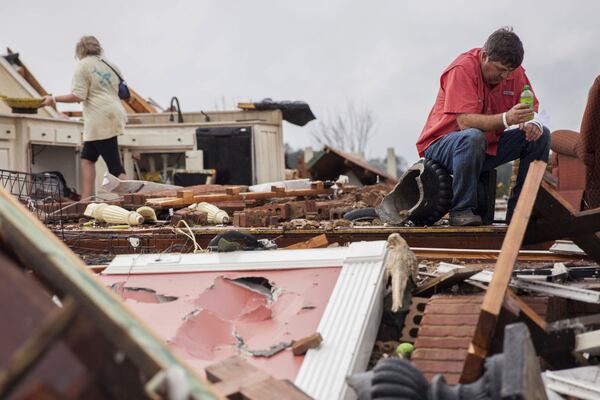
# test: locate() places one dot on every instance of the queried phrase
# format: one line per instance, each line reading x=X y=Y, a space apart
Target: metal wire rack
x=41 y=193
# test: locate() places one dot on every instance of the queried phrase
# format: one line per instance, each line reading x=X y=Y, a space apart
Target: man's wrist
x=505 y=120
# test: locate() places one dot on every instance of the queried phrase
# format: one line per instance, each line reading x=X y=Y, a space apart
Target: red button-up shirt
x=463 y=91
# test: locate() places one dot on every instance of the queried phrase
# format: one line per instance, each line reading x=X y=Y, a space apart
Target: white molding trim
x=349 y=323
x=243 y=260
x=349 y=327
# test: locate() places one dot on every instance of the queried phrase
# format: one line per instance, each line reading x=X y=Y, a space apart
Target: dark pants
x=463 y=154
x=108 y=149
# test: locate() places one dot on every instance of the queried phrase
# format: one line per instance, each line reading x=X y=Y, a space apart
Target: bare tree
x=349 y=130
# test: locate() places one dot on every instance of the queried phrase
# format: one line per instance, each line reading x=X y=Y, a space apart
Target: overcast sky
x=384 y=55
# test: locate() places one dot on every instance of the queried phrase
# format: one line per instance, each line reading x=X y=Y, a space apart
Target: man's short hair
x=505 y=46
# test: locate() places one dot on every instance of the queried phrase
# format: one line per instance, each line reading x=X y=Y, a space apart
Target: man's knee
x=543 y=143
x=474 y=140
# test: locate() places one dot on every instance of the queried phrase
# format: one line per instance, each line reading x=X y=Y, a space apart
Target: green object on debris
x=226 y=246
x=404 y=350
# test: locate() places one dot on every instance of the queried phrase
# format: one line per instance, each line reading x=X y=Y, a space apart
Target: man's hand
x=532 y=132
x=518 y=114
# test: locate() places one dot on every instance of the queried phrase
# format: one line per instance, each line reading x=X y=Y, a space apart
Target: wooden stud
x=494 y=296
x=525 y=309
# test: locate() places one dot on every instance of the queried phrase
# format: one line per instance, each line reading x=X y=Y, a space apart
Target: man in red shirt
x=477 y=123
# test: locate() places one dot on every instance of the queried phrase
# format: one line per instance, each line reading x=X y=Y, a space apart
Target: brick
x=231 y=206
x=413 y=319
x=282 y=210
x=324 y=207
x=440 y=354
x=438 y=366
x=442 y=343
x=338 y=212
x=239 y=219
x=453 y=309
x=447 y=330
x=192 y=217
x=456 y=299
x=446 y=319
x=256 y=217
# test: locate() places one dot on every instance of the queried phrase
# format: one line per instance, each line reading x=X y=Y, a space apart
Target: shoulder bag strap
x=114 y=70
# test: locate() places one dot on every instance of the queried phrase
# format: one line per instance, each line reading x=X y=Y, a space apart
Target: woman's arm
x=66 y=98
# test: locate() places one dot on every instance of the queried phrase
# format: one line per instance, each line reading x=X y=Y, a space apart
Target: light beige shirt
x=97 y=85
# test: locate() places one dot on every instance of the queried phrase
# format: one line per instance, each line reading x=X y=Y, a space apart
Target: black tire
x=399 y=379
x=361 y=214
x=437 y=186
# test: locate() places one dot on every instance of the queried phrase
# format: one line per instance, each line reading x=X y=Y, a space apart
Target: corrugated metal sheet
x=349 y=325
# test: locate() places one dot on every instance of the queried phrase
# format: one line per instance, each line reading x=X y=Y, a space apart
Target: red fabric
x=463 y=91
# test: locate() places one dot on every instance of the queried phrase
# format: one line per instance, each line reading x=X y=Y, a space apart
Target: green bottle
x=527 y=98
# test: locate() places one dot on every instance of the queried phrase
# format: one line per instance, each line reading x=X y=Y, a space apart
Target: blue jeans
x=462 y=153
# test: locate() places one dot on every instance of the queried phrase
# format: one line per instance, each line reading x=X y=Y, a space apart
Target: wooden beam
x=525 y=309
x=494 y=296
x=64 y=272
x=212 y=198
x=36 y=346
x=316 y=242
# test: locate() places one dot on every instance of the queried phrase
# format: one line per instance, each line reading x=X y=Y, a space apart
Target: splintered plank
x=211 y=198
x=272 y=389
x=524 y=308
x=231 y=374
x=235 y=377
x=494 y=296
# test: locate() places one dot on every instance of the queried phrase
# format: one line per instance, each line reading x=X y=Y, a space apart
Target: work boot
x=464 y=218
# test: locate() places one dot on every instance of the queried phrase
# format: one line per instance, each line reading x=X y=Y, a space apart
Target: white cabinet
x=42 y=133
x=158 y=139
x=68 y=135
x=7 y=131
x=7 y=160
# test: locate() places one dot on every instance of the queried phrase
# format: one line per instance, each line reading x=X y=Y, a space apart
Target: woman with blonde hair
x=95 y=84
